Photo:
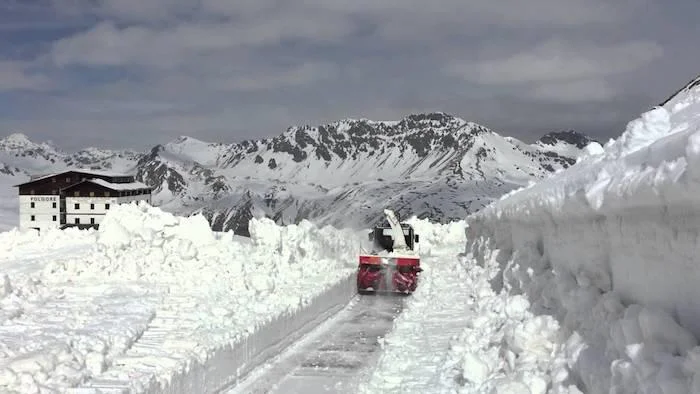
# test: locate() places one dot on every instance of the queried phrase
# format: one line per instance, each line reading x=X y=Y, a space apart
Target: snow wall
x=278 y=285
x=610 y=248
x=152 y=302
x=225 y=364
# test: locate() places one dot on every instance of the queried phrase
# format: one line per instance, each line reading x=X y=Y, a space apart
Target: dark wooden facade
x=53 y=184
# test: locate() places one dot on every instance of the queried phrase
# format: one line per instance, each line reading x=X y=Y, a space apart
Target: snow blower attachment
x=393 y=264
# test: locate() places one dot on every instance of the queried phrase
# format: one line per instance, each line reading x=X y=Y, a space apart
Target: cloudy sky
x=134 y=73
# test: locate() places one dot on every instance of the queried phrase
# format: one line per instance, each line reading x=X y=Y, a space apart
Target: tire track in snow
x=334 y=357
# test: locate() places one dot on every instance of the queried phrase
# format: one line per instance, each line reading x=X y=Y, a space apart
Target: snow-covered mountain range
x=343 y=173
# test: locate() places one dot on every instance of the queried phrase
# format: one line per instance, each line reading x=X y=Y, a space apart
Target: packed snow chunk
x=593 y=149
x=641 y=132
x=128 y=224
x=517 y=307
x=474 y=369
x=195 y=229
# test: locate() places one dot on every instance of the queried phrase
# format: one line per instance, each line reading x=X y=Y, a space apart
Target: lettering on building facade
x=43 y=198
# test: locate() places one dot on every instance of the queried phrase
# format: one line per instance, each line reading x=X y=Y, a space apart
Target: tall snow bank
x=610 y=248
x=164 y=300
x=144 y=243
x=434 y=236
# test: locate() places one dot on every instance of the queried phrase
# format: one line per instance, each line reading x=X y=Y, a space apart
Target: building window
x=106 y=206
x=92 y=206
x=53 y=180
x=53 y=205
x=92 y=194
x=106 y=194
x=54 y=218
x=77 y=206
x=92 y=220
x=67 y=179
x=32 y=218
x=76 y=194
x=77 y=220
x=54 y=192
x=32 y=205
x=31 y=191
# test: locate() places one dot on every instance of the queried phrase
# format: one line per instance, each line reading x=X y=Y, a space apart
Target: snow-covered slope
x=418 y=146
x=343 y=173
x=24 y=157
x=609 y=248
x=18 y=154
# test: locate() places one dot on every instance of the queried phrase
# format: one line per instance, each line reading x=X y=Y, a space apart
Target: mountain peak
x=569 y=136
x=19 y=142
x=185 y=142
x=430 y=117
x=694 y=83
x=16 y=140
x=182 y=139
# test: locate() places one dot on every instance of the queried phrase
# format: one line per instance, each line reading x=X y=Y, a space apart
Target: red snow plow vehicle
x=393 y=264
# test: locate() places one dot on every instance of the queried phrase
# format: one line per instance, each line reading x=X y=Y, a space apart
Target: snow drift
x=151 y=301
x=609 y=247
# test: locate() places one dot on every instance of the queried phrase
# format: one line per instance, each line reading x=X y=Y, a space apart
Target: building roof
x=119 y=186
x=80 y=171
x=99 y=173
x=112 y=186
x=36 y=178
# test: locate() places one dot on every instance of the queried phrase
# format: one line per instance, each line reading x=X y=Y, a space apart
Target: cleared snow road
x=335 y=356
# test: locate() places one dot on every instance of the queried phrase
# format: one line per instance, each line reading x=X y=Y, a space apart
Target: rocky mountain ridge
x=342 y=173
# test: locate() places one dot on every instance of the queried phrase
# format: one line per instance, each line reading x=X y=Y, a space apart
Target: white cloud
x=224 y=24
x=14 y=76
x=126 y=10
x=220 y=67
x=556 y=61
x=502 y=12
x=258 y=80
x=109 y=45
x=574 y=91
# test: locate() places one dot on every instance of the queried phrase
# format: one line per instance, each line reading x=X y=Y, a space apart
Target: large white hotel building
x=75 y=198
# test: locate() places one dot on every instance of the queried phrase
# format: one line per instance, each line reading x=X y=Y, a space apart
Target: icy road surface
x=334 y=357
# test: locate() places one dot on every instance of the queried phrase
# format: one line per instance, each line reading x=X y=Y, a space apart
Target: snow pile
x=609 y=249
x=507 y=349
x=151 y=298
x=434 y=236
x=143 y=243
x=16 y=243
